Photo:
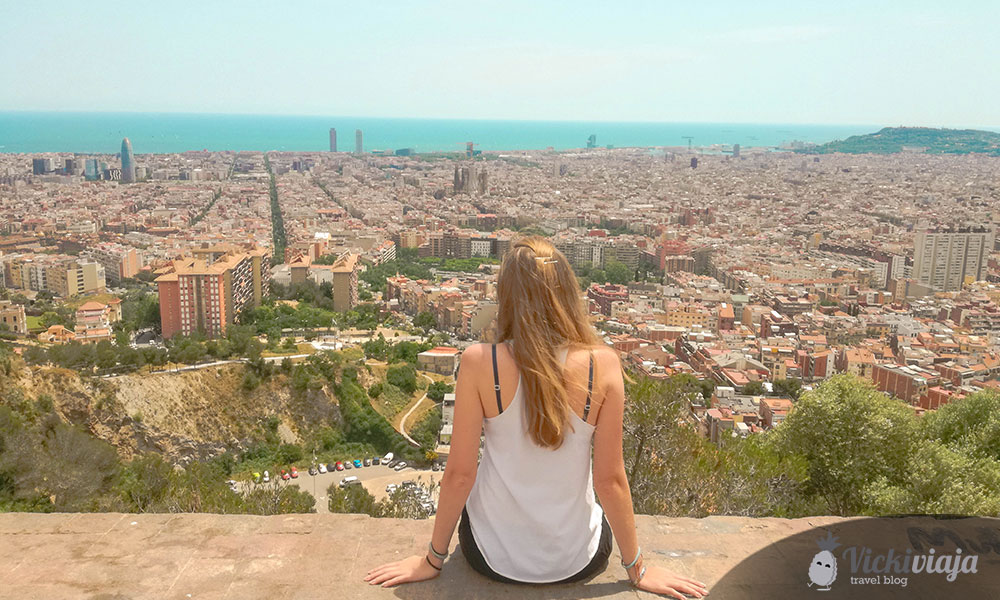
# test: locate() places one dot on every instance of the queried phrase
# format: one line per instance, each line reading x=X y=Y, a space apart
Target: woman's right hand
x=661 y=581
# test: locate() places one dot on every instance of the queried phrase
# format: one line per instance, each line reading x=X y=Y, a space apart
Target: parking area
x=374 y=478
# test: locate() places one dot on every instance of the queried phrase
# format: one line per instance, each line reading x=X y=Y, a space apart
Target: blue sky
x=843 y=62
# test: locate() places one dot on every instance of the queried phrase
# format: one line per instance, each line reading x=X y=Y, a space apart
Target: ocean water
x=165 y=133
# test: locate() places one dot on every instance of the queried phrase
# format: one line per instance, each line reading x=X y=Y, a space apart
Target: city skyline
x=853 y=63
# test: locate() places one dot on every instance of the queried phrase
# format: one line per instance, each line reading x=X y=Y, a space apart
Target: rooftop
x=108 y=555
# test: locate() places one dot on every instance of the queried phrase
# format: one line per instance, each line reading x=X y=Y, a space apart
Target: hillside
x=182 y=416
x=890 y=140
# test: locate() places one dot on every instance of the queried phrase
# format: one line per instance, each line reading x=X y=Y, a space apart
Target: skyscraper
x=358 y=146
x=333 y=140
x=128 y=162
x=946 y=259
x=92 y=170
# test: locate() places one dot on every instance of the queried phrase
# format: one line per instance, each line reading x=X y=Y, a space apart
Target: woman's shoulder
x=476 y=353
x=603 y=354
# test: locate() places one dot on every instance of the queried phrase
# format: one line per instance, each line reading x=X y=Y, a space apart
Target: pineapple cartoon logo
x=823 y=568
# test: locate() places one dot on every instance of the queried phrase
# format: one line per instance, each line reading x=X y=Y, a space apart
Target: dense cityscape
x=256 y=314
x=741 y=268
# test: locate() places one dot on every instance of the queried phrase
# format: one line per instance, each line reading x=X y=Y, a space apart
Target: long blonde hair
x=540 y=307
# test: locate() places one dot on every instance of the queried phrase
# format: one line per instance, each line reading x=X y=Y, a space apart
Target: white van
x=346 y=481
x=387 y=458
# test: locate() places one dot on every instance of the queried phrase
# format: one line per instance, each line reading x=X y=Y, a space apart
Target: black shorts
x=475 y=557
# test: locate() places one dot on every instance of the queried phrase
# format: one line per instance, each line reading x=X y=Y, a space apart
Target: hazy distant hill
x=932 y=141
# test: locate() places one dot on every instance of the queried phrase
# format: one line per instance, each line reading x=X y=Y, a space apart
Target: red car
x=340 y=466
x=295 y=473
x=284 y=475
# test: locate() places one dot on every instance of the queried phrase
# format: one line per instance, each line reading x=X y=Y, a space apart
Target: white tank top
x=532 y=510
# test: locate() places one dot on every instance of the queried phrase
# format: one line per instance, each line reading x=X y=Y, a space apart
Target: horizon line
x=424 y=118
x=994 y=128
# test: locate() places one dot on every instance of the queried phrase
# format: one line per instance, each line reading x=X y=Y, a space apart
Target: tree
x=851 y=435
x=791 y=388
x=427 y=429
x=50 y=318
x=754 y=388
x=653 y=430
x=403 y=376
x=617 y=272
x=352 y=499
x=425 y=320
x=438 y=389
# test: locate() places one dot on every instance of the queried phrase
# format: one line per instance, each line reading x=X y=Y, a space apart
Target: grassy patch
x=34 y=323
x=392 y=401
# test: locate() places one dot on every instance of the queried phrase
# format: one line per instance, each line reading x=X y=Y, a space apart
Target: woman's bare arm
x=611 y=485
x=610 y=481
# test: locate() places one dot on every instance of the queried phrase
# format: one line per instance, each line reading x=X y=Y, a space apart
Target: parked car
x=340 y=466
x=357 y=463
x=256 y=477
x=267 y=477
x=295 y=473
x=352 y=480
x=322 y=468
x=376 y=461
x=392 y=464
x=435 y=467
x=400 y=466
x=348 y=464
x=409 y=483
x=330 y=467
x=367 y=462
x=387 y=458
x=285 y=476
x=391 y=488
x=313 y=470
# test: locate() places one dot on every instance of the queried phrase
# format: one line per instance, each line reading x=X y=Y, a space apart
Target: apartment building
x=60 y=274
x=206 y=292
x=947 y=259
x=119 y=262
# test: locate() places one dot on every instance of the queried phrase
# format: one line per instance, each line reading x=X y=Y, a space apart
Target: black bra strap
x=496 y=380
x=590 y=387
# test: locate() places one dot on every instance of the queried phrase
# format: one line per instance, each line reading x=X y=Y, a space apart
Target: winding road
x=402 y=422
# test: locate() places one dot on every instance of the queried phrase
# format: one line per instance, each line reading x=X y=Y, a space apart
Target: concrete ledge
x=201 y=556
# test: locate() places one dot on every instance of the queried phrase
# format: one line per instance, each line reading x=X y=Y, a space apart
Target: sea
x=38 y=132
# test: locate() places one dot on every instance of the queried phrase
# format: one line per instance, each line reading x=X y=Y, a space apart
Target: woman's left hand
x=413 y=568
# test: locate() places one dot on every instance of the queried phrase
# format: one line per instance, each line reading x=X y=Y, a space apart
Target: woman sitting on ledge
x=543 y=394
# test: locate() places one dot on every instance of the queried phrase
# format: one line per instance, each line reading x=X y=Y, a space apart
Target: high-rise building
x=92 y=170
x=206 y=292
x=345 y=282
x=71 y=166
x=42 y=166
x=358 y=146
x=947 y=259
x=333 y=140
x=128 y=162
